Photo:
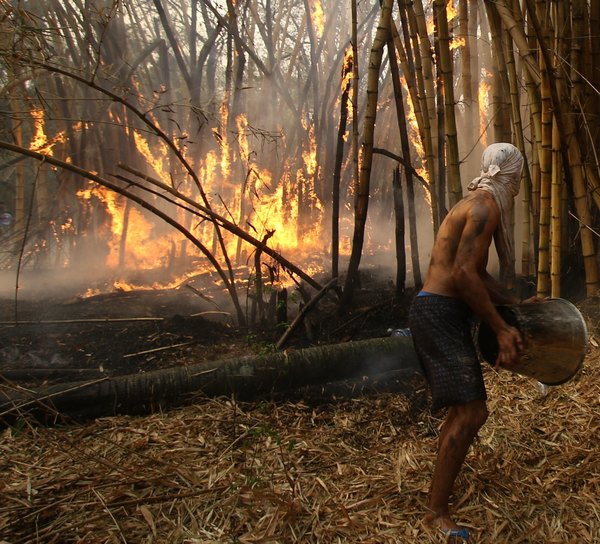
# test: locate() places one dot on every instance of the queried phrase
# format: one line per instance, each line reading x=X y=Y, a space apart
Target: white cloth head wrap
x=501 y=166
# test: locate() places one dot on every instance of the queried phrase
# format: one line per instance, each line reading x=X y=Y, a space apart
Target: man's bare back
x=458 y=266
x=463 y=240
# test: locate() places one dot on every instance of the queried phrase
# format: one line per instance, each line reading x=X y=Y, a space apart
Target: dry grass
x=356 y=471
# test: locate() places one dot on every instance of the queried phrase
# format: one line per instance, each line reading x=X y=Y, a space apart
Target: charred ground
x=49 y=339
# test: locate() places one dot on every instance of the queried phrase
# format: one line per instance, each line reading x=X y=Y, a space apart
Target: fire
x=273 y=205
x=154 y=157
x=450 y=10
x=239 y=187
x=483 y=97
x=317 y=17
x=208 y=169
x=310 y=155
x=425 y=175
x=347 y=74
x=415 y=139
x=145 y=249
x=413 y=125
x=455 y=43
x=347 y=68
x=450 y=14
x=224 y=141
x=39 y=141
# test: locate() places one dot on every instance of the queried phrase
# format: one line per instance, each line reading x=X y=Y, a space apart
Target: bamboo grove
x=300 y=138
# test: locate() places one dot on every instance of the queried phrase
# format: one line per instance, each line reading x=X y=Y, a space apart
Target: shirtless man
x=456 y=287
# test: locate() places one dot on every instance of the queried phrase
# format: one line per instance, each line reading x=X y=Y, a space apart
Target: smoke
x=255 y=121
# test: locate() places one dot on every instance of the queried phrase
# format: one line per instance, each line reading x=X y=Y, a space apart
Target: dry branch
x=83 y=320
x=304 y=312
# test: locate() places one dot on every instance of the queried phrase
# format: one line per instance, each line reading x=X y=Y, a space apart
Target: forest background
x=145 y=142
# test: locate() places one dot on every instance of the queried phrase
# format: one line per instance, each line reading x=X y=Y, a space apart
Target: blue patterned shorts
x=441 y=331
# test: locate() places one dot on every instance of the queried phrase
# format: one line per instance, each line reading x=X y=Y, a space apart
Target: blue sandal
x=462 y=532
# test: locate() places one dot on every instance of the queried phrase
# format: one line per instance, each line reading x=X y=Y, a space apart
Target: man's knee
x=473 y=414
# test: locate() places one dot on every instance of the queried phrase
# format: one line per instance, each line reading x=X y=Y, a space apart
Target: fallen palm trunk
x=245 y=378
x=408 y=382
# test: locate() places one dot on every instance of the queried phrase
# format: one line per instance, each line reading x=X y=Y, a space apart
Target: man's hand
x=510 y=343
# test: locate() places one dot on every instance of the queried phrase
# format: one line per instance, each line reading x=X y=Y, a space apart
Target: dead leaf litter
x=352 y=471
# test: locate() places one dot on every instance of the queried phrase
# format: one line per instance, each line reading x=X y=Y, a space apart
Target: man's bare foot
x=445 y=524
x=437 y=521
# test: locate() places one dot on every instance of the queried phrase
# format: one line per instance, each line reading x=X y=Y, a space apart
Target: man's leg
x=458 y=433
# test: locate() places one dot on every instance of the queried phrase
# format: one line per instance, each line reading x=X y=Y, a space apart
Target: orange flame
x=39 y=141
x=450 y=14
x=413 y=125
x=317 y=17
x=225 y=158
x=239 y=188
x=456 y=42
x=347 y=68
x=155 y=157
x=145 y=250
x=450 y=10
x=483 y=97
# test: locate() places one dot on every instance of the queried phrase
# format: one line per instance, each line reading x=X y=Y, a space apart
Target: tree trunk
x=555 y=219
x=445 y=67
x=543 y=281
x=245 y=378
x=363 y=190
x=399 y=230
x=339 y=156
x=422 y=52
x=410 y=193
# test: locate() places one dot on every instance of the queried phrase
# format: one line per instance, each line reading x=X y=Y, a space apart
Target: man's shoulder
x=480 y=204
x=476 y=210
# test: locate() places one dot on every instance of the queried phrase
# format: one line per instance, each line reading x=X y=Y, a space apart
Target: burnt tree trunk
x=245 y=378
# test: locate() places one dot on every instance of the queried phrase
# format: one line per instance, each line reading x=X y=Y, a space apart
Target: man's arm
x=470 y=277
x=497 y=292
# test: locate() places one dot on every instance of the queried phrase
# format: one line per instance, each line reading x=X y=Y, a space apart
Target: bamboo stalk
x=445 y=65
x=156 y=350
x=593 y=62
x=399 y=233
x=556 y=208
x=423 y=57
x=535 y=117
x=499 y=82
x=520 y=143
x=592 y=279
x=410 y=194
x=465 y=76
x=575 y=162
x=473 y=39
x=518 y=35
x=75 y=321
x=361 y=203
x=593 y=183
x=543 y=282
